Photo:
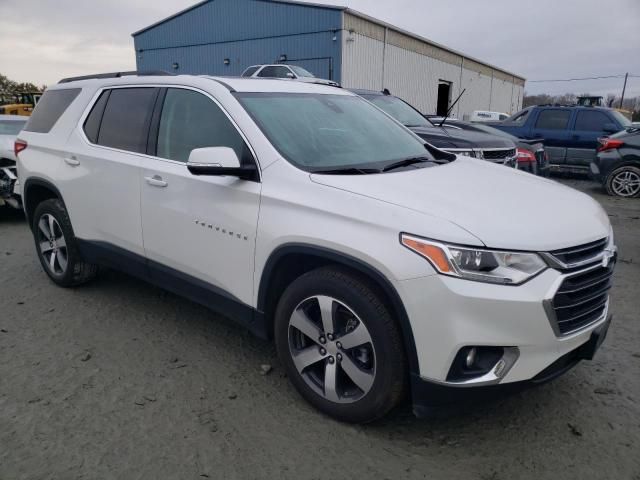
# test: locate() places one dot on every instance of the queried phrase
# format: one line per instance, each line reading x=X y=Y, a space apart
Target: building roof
x=353 y=12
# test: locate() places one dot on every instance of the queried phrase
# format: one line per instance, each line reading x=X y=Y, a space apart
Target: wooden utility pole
x=624 y=88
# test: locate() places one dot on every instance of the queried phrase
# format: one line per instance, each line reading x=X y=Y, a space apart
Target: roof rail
x=116 y=75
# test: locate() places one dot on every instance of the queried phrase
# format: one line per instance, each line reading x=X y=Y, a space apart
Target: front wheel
x=340 y=345
x=624 y=182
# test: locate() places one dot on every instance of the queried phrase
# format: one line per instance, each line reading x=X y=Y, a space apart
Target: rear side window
x=50 y=108
x=274 y=72
x=126 y=117
x=592 y=121
x=250 y=71
x=191 y=120
x=553 y=119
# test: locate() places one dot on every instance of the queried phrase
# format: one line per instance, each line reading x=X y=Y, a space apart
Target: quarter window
x=191 y=120
x=50 y=108
x=553 y=119
x=592 y=121
x=92 y=123
x=125 y=122
x=249 y=71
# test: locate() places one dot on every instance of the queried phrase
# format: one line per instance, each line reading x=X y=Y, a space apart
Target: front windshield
x=301 y=72
x=399 y=110
x=624 y=121
x=11 y=127
x=319 y=132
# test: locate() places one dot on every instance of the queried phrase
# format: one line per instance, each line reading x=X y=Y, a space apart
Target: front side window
x=250 y=71
x=399 y=110
x=301 y=72
x=322 y=132
x=10 y=127
x=592 y=121
x=50 y=108
x=126 y=117
x=274 y=71
x=553 y=119
x=191 y=120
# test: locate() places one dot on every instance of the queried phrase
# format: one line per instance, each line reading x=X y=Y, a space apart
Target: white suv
x=378 y=264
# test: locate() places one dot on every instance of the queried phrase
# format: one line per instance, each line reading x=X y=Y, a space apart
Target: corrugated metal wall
x=376 y=57
x=246 y=32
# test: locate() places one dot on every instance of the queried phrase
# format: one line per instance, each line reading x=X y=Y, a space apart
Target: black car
x=532 y=156
x=617 y=164
x=493 y=148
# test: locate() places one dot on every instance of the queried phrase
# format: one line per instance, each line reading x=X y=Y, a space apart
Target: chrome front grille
x=498 y=154
x=576 y=255
x=582 y=298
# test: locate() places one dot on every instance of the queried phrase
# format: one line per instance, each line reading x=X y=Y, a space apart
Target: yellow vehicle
x=19 y=103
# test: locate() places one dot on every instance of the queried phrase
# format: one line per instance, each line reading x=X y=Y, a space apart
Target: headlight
x=491 y=266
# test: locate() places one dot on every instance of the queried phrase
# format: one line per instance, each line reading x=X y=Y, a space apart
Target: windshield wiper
x=407 y=162
x=347 y=171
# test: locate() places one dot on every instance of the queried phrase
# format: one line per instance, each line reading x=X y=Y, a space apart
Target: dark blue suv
x=570 y=133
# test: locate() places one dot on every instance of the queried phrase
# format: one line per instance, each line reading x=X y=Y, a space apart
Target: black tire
x=614 y=191
x=77 y=271
x=362 y=297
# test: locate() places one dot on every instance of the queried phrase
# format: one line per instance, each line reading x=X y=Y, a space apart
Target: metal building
x=223 y=37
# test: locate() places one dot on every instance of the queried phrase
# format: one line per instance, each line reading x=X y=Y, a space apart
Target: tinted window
x=593 y=121
x=553 y=119
x=274 y=72
x=10 y=127
x=250 y=71
x=125 y=122
x=191 y=120
x=50 y=108
x=92 y=123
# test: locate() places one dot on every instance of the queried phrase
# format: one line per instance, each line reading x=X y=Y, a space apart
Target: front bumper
x=448 y=314
x=430 y=398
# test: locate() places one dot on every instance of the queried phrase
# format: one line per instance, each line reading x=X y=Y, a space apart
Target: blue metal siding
x=247 y=32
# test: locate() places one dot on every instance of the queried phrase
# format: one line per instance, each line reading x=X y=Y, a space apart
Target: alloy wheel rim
x=626 y=183
x=52 y=244
x=332 y=349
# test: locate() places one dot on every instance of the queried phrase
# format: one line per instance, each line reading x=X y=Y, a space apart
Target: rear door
x=587 y=128
x=552 y=124
x=200 y=229
x=100 y=173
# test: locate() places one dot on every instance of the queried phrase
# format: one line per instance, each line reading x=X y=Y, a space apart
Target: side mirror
x=291 y=75
x=610 y=128
x=219 y=162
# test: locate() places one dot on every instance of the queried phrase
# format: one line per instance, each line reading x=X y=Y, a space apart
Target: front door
x=199 y=231
x=552 y=124
x=589 y=126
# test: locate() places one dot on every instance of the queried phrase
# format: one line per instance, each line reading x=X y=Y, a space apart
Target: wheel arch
x=35 y=191
x=290 y=261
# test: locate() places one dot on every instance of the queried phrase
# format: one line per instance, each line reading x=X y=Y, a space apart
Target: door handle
x=72 y=161
x=156 y=181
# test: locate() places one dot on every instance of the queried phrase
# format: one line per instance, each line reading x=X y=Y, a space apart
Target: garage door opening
x=444 y=98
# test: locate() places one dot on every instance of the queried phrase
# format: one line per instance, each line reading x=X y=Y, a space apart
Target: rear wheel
x=340 y=345
x=57 y=247
x=624 y=182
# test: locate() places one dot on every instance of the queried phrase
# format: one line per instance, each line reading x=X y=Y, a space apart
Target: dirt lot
x=122 y=380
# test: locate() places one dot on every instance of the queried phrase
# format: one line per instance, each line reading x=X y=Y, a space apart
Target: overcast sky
x=43 y=40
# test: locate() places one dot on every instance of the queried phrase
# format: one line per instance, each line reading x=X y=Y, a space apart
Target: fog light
x=471 y=357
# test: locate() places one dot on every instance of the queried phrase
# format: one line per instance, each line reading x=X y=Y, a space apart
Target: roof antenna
x=386 y=92
x=451 y=107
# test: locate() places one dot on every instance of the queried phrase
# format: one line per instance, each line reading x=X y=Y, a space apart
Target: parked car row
x=381 y=266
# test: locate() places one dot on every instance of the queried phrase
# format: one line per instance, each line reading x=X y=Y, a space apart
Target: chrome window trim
x=94 y=99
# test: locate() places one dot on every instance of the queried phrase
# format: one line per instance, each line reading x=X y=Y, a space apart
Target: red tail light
x=19 y=146
x=525 y=156
x=609 y=144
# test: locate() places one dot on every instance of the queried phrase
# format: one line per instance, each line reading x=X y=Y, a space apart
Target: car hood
x=448 y=138
x=502 y=207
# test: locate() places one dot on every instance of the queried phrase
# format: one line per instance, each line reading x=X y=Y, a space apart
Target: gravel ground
x=122 y=380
